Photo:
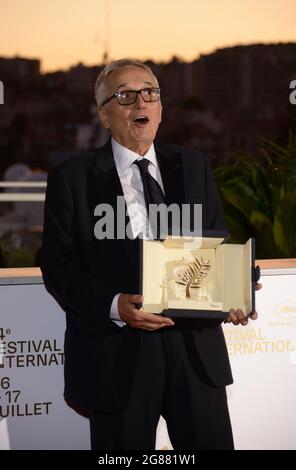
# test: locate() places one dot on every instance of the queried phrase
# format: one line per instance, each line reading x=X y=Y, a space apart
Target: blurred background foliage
x=259 y=197
x=18 y=249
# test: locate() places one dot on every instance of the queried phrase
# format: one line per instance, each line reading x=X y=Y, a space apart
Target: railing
x=14 y=197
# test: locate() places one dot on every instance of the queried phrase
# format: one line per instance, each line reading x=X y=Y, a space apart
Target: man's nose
x=140 y=103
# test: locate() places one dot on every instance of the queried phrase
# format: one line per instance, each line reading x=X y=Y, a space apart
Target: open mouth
x=141 y=120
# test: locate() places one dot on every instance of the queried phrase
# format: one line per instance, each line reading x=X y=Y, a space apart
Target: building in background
x=220 y=103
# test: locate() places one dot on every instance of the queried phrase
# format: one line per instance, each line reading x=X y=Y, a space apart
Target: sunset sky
x=64 y=32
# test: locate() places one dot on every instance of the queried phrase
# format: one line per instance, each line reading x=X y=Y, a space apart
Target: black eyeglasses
x=125 y=97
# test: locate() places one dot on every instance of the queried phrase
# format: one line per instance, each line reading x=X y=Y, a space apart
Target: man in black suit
x=123 y=365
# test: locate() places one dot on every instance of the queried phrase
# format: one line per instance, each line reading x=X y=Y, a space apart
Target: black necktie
x=153 y=194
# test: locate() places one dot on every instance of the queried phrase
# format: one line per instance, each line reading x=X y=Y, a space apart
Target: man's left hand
x=237 y=317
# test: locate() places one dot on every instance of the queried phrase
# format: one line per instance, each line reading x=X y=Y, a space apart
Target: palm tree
x=259 y=197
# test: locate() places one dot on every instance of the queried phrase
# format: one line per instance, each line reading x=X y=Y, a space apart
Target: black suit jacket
x=84 y=274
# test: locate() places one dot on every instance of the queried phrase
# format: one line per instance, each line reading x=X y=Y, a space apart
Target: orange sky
x=64 y=32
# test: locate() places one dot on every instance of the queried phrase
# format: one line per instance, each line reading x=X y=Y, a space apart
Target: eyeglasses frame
x=117 y=94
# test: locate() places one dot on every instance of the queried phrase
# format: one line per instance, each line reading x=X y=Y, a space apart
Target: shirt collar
x=125 y=157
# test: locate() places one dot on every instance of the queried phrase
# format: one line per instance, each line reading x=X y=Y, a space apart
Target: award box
x=198 y=277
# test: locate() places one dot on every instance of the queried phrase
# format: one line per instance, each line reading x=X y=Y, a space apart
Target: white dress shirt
x=132 y=187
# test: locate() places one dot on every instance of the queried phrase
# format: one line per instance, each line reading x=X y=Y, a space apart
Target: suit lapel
x=105 y=175
x=105 y=185
x=171 y=169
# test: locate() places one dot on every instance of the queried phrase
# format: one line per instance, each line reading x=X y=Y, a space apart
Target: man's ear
x=103 y=116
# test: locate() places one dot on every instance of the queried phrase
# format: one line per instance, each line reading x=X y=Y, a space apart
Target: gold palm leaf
x=194 y=274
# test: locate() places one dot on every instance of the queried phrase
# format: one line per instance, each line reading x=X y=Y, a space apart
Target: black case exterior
x=255 y=275
x=201 y=314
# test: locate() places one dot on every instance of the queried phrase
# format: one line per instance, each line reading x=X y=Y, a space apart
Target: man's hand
x=237 y=317
x=138 y=318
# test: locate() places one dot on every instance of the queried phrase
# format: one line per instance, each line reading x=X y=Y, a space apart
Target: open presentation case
x=197 y=277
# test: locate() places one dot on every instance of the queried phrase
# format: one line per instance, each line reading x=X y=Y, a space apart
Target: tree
x=259 y=197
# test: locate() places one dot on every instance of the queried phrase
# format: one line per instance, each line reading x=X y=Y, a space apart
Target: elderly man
x=124 y=365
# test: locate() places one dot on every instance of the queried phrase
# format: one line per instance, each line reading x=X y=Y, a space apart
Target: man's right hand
x=138 y=318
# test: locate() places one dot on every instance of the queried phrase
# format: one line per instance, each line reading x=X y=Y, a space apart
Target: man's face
x=120 y=119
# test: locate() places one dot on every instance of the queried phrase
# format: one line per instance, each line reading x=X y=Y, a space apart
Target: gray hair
x=101 y=81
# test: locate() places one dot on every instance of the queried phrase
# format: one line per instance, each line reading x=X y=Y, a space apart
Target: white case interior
x=228 y=283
